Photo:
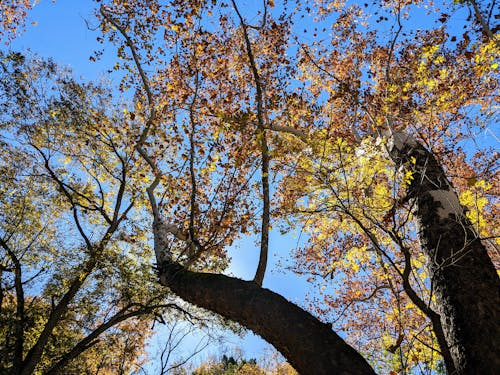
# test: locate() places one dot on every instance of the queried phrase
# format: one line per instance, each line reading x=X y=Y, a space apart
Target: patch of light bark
x=161 y=242
x=449 y=203
x=399 y=140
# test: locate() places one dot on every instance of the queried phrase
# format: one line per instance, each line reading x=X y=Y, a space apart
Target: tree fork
x=310 y=346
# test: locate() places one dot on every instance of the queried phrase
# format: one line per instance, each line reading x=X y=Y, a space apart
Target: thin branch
x=92 y=338
x=59 y=309
x=151 y=117
x=479 y=17
x=344 y=88
x=135 y=56
x=393 y=44
x=374 y=241
x=192 y=153
x=173 y=342
x=388 y=116
x=261 y=136
x=419 y=302
x=64 y=188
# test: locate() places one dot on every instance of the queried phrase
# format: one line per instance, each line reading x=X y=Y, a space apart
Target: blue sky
x=60 y=32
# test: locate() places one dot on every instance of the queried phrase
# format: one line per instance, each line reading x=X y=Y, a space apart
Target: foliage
x=119 y=351
x=235 y=126
x=231 y=366
x=73 y=273
x=325 y=110
x=14 y=13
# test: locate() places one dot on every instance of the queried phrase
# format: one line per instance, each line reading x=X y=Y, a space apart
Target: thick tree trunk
x=310 y=346
x=464 y=280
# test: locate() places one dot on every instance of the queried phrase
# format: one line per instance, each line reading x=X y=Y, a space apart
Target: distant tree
x=231 y=366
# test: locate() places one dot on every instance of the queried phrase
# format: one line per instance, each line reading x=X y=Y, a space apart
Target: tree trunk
x=310 y=346
x=464 y=280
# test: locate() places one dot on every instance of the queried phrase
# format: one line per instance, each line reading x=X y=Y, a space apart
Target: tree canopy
x=367 y=129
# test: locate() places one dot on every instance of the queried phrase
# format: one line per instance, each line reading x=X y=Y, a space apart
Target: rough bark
x=464 y=280
x=310 y=346
x=19 y=322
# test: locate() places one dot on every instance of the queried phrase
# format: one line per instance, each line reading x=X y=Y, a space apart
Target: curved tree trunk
x=464 y=280
x=310 y=346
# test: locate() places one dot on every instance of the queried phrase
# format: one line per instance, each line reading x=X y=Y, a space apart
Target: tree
x=240 y=366
x=360 y=136
x=72 y=280
x=13 y=16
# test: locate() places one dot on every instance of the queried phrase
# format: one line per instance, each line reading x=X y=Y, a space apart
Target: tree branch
x=151 y=116
x=479 y=17
x=311 y=346
x=91 y=339
x=261 y=136
x=19 y=321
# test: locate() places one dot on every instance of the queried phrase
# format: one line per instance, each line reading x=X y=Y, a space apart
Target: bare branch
x=261 y=136
x=479 y=17
x=92 y=338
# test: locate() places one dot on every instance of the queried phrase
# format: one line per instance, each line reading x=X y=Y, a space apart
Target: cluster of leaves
x=14 y=14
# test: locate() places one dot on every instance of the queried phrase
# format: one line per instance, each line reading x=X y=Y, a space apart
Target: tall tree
x=359 y=130
x=70 y=272
x=362 y=89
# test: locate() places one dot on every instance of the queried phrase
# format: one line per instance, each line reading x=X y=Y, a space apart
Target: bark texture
x=464 y=279
x=310 y=346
